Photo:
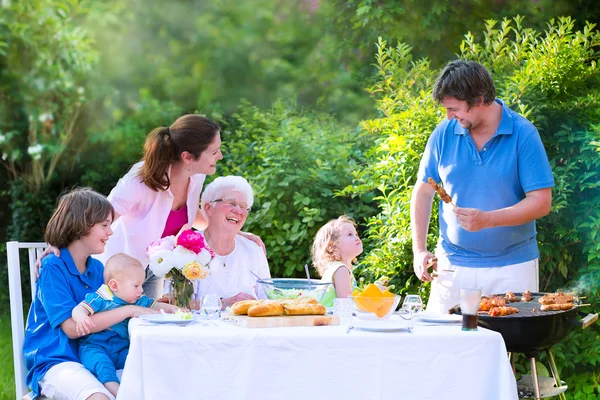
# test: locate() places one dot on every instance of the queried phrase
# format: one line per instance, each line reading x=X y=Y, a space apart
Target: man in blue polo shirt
x=492 y=162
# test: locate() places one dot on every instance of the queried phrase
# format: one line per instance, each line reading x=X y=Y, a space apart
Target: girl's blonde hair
x=76 y=213
x=325 y=247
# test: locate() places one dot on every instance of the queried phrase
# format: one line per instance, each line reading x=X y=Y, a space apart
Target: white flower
x=161 y=262
x=46 y=117
x=203 y=257
x=35 y=151
x=183 y=256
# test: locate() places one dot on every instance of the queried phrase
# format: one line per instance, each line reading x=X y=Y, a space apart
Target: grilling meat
x=500 y=311
x=527 y=296
x=440 y=191
x=489 y=302
x=556 y=298
x=556 y=307
x=511 y=297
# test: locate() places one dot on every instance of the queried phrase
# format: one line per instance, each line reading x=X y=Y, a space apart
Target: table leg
x=536 y=385
x=554 y=370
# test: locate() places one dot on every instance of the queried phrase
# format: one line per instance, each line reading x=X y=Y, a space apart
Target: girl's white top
x=144 y=214
x=230 y=275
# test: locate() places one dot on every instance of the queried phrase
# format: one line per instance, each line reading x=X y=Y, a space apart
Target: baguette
x=241 y=307
x=304 y=309
x=265 y=309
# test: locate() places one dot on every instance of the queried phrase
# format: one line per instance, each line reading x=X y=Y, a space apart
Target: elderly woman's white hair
x=217 y=189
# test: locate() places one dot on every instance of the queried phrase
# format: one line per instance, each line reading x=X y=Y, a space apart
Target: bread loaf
x=304 y=309
x=265 y=309
x=241 y=307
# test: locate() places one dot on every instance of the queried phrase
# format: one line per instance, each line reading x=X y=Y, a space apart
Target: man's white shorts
x=71 y=381
x=451 y=278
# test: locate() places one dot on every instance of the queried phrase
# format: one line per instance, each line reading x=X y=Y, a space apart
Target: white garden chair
x=16 y=307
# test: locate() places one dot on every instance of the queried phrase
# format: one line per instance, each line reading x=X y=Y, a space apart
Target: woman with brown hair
x=160 y=195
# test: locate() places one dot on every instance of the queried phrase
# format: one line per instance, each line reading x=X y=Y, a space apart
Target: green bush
x=295 y=161
x=552 y=78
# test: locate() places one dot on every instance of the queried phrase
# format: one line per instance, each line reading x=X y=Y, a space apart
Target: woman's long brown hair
x=192 y=133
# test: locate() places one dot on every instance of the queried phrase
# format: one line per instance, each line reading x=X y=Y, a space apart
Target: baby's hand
x=83 y=324
x=136 y=311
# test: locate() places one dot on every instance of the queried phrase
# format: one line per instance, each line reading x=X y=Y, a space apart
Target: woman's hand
x=228 y=302
x=38 y=262
x=256 y=239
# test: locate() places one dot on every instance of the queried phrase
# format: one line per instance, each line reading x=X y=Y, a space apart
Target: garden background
x=325 y=107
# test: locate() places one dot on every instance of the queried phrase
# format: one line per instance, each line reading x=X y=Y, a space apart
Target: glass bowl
x=375 y=307
x=293 y=288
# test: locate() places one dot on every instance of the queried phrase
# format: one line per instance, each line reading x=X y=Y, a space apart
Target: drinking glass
x=412 y=304
x=469 y=306
x=343 y=309
x=210 y=306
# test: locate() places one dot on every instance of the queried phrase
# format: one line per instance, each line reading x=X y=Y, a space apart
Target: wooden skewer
x=583 y=305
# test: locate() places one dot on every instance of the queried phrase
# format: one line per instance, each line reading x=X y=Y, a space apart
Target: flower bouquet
x=182 y=259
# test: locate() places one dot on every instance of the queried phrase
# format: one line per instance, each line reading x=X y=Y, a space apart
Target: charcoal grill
x=531 y=330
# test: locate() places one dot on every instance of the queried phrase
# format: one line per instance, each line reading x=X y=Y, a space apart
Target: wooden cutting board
x=282 y=321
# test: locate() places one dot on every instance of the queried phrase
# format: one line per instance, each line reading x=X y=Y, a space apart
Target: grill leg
x=511 y=358
x=536 y=385
x=554 y=370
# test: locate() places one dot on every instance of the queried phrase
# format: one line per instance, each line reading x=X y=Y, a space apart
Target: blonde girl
x=334 y=249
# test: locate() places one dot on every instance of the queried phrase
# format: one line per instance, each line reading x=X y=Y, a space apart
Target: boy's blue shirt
x=58 y=290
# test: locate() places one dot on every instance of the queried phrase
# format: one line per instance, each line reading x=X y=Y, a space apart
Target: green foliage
x=295 y=161
x=50 y=59
x=433 y=27
x=553 y=79
x=117 y=145
x=409 y=114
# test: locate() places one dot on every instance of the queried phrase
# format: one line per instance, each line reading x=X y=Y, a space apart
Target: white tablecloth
x=229 y=362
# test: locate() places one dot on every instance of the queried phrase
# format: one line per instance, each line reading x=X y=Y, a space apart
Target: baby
x=104 y=352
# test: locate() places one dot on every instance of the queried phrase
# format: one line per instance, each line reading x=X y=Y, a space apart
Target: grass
x=7 y=380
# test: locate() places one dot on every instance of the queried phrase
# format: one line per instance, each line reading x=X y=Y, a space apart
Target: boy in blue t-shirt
x=104 y=352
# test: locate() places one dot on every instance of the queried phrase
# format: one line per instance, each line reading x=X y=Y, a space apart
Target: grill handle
x=587 y=320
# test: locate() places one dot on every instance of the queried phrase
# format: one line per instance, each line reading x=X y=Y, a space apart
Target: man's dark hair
x=466 y=81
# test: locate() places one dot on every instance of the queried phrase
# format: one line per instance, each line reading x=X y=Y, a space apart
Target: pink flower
x=166 y=243
x=193 y=241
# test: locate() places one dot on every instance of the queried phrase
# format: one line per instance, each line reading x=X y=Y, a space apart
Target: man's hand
x=238 y=297
x=83 y=323
x=472 y=219
x=38 y=262
x=424 y=260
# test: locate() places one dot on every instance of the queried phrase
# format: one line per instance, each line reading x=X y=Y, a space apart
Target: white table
x=229 y=362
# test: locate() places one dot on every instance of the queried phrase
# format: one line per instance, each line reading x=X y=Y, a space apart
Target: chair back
x=16 y=305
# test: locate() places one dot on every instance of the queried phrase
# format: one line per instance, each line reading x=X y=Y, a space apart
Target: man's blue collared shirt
x=512 y=163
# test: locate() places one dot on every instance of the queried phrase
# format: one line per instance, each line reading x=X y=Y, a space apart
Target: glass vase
x=181 y=292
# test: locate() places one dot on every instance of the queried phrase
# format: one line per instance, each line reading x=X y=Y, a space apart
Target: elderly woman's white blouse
x=230 y=275
x=144 y=213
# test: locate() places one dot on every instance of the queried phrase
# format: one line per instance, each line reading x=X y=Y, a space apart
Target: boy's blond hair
x=118 y=265
x=325 y=246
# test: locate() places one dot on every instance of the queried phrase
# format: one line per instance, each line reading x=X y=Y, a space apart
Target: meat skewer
x=556 y=307
x=501 y=311
x=512 y=298
x=441 y=192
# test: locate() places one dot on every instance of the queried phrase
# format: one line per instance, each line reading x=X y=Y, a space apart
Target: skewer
x=583 y=305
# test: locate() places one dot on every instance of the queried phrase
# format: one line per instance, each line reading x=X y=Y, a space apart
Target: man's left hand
x=471 y=219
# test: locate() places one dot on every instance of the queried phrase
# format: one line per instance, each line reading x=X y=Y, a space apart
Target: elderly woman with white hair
x=226 y=203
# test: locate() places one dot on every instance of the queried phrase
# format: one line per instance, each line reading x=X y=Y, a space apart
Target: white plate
x=166 y=319
x=394 y=323
x=438 y=317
